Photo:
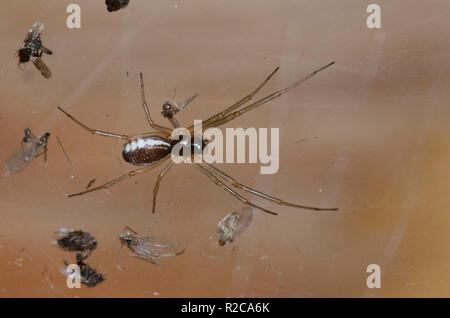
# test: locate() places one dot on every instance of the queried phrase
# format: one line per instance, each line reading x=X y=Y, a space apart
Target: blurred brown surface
x=381 y=116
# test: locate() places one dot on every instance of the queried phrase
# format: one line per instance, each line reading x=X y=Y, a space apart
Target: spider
x=149 y=150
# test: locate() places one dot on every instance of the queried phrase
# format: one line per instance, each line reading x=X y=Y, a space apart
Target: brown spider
x=152 y=149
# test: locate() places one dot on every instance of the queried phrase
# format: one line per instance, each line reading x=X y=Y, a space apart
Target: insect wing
x=42 y=67
x=34 y=32
x=26 y=153
x=21 y=157
x=143 y=251
x=36 y=146
x=245 y=217
x=144 y=248
x=160 y=242
x=149 y=259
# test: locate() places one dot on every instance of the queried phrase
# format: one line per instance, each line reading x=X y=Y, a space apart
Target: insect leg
x=186 y=102
x=118 y=257
x=45 y=153
x=129 y=228
x=169 y=114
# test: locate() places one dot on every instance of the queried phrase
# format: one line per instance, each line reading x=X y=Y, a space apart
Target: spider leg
x=237 y=104
x=214 y=179
x=158 y=181
x=147 y=112
x=262 y=101
x=113 y=182
x=94 y=131
x=238 y=185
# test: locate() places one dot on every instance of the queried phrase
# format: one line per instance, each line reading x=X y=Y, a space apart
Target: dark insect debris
x=114 y=5
x=88 y=275
x=32 y=49
x=75 y=241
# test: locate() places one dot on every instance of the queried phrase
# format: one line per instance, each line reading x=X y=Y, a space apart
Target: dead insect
x=31 y=147
x=146 y=248
x=32 y=48
x=87 y=275
x=149 y=150
x=79 y=241
x=234 y=224
x=114 y=5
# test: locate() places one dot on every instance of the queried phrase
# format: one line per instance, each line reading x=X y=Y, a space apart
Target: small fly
x=146 y=248
x=32 y=48
x=30 y=148
x=79 y=241
x=234 y=224
x=114 y=5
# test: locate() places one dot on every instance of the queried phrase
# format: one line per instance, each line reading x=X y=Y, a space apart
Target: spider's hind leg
x=238 y=185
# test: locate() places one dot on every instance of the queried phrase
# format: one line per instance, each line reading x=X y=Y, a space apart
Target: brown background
x=381 y=116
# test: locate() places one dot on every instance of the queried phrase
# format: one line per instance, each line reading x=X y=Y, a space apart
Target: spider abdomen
x=146 y=151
